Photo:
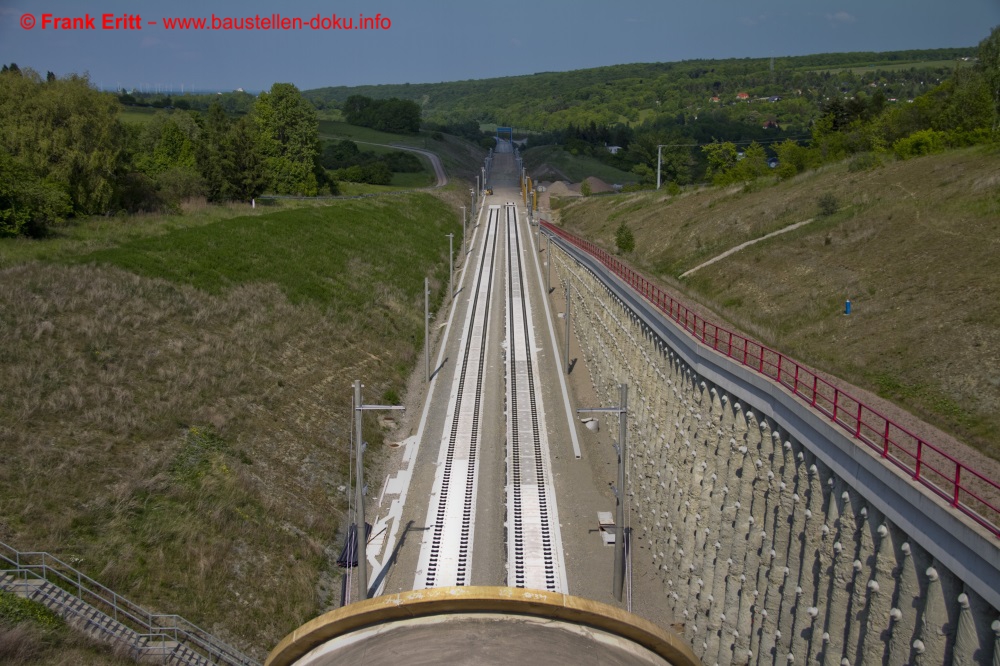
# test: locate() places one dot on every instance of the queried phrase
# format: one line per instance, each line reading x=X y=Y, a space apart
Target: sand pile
x=598 y=186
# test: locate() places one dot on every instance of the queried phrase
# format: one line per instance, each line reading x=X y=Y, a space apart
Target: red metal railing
x=962 y=487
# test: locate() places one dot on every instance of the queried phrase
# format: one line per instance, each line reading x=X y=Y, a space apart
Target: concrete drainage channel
x=775 y=536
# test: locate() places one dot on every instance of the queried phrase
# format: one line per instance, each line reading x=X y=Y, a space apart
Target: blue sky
x=448 y=40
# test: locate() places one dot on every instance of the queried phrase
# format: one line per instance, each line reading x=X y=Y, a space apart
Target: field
x=912 y=244
x=138 y=115
x=175 y=396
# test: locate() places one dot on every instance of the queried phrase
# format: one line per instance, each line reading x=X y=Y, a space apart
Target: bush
x=828 y=204
x=28 y=205
x=624 y=238
x=14 y=610
x=673 y=189
x=920 y=143
x=585 y=189
x=864 y=162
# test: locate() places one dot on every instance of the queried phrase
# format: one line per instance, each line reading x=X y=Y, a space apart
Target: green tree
x=28 y=205
x=989 y=65
x=387 y=115
x=753 y=165
x=722 y=158
x=211 y=154
x=245 y=171
x=792 y=158
x=288 y=139
x=66 y=133
x=624 y=238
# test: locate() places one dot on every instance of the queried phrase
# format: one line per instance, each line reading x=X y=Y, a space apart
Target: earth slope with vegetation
x=912 y=243
x=175 y=396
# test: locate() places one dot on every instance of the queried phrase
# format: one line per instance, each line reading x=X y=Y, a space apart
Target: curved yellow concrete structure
x=476 y=625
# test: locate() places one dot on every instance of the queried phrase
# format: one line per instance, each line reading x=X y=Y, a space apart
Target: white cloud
x=753 y=20
x=841 y=17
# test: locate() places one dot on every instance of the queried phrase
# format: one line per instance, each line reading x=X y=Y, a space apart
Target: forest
x=751 y=105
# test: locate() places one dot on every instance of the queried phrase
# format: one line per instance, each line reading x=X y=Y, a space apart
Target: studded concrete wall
x=765 y=555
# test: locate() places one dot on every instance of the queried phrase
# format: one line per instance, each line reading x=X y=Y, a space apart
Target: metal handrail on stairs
x=145 y=626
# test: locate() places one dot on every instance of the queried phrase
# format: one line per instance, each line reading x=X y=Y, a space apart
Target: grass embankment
x=551 y=161
x=174 y=404
x=913 y=245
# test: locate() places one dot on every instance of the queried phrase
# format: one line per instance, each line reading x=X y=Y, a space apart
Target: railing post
x=779 y=367
x=857 y=430
x=958 y=481
x=920 y=456
x=815 y=389
x=795 y=386
x=836 y=398
x=885 y=440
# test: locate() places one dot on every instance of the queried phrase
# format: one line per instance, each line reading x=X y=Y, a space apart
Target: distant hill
x=634 y=92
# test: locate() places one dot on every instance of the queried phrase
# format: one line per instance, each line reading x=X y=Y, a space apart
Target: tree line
x=963 y=110
x=635 y=93
x=349 y=163
x=65 y=151
x=394 y=115
x=860 y=116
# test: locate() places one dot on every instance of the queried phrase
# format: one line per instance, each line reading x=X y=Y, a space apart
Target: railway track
x=534 y=546
x=534 y=556
x=446 y=552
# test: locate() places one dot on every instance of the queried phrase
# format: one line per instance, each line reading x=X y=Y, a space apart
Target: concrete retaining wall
x=776 y=539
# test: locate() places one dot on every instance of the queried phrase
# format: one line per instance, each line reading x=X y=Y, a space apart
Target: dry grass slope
x=188 y=447
x=913 y=245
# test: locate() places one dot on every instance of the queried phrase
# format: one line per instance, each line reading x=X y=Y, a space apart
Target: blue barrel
x=847 y=308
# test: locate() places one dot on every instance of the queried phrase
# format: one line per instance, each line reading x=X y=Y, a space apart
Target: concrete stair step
x=99 y=625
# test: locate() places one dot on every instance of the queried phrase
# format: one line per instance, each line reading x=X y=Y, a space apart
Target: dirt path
x=739 y=247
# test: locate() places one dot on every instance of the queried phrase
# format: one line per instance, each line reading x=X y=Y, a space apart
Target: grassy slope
x=174 y=404
x=914 y=247
x=576 y=167
x=460 y=158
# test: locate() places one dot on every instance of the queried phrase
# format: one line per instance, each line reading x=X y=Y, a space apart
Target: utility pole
x=360 y=528
x=659 y=162
x=622 y=449
x=566 y=346
x=465 y=236
x=427 y=327
x=451 y=263
x=548 y=264
x=659 y=156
